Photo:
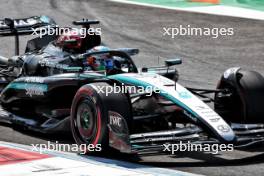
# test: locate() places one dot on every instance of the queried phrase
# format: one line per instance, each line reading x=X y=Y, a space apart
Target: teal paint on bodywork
x=134 y=81
x=25 y=86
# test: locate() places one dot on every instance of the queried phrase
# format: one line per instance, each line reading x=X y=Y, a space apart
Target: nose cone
x=226 y=133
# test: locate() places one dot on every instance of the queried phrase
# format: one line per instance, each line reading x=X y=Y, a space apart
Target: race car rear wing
x=24 y=26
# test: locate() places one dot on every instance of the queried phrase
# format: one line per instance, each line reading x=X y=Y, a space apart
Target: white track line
x=70 y=164
x=214 y=10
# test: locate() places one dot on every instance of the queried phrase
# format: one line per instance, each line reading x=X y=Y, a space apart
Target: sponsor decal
x=117 y=123
x=30 y=88
x=34 y=90
x=185 y=95
x=198 y=108
x=118 y=132
x=47 y=63
x=190 y=116
x=208 y=112
x=21 y=22
x=223 y=128
x=31 y=80
x=115 y=119
x=215 y=119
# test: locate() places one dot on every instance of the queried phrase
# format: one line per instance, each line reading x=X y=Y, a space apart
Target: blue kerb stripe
x=163 y=93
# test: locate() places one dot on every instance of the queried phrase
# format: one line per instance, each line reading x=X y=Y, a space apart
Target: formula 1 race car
x=49 y=89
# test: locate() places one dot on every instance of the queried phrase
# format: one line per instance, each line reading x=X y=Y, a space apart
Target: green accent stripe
x=249 y=4
x=173 y=3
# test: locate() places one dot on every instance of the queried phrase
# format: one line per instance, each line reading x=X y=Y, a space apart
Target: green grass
x=250 y=4
x=173 y=3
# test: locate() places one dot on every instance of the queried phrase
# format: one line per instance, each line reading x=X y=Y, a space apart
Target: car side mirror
x=171 y=62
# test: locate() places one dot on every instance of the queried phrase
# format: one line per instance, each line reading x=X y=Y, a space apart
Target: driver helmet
x=70 y=40
x=102 y=61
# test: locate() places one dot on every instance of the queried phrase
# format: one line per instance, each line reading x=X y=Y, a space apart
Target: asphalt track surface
x=204 y=60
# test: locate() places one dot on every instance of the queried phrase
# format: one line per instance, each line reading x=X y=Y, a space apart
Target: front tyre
x=90 y=114
x=89 y=119
x=243 y=100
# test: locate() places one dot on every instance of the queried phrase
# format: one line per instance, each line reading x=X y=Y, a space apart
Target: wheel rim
x=86 y=121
